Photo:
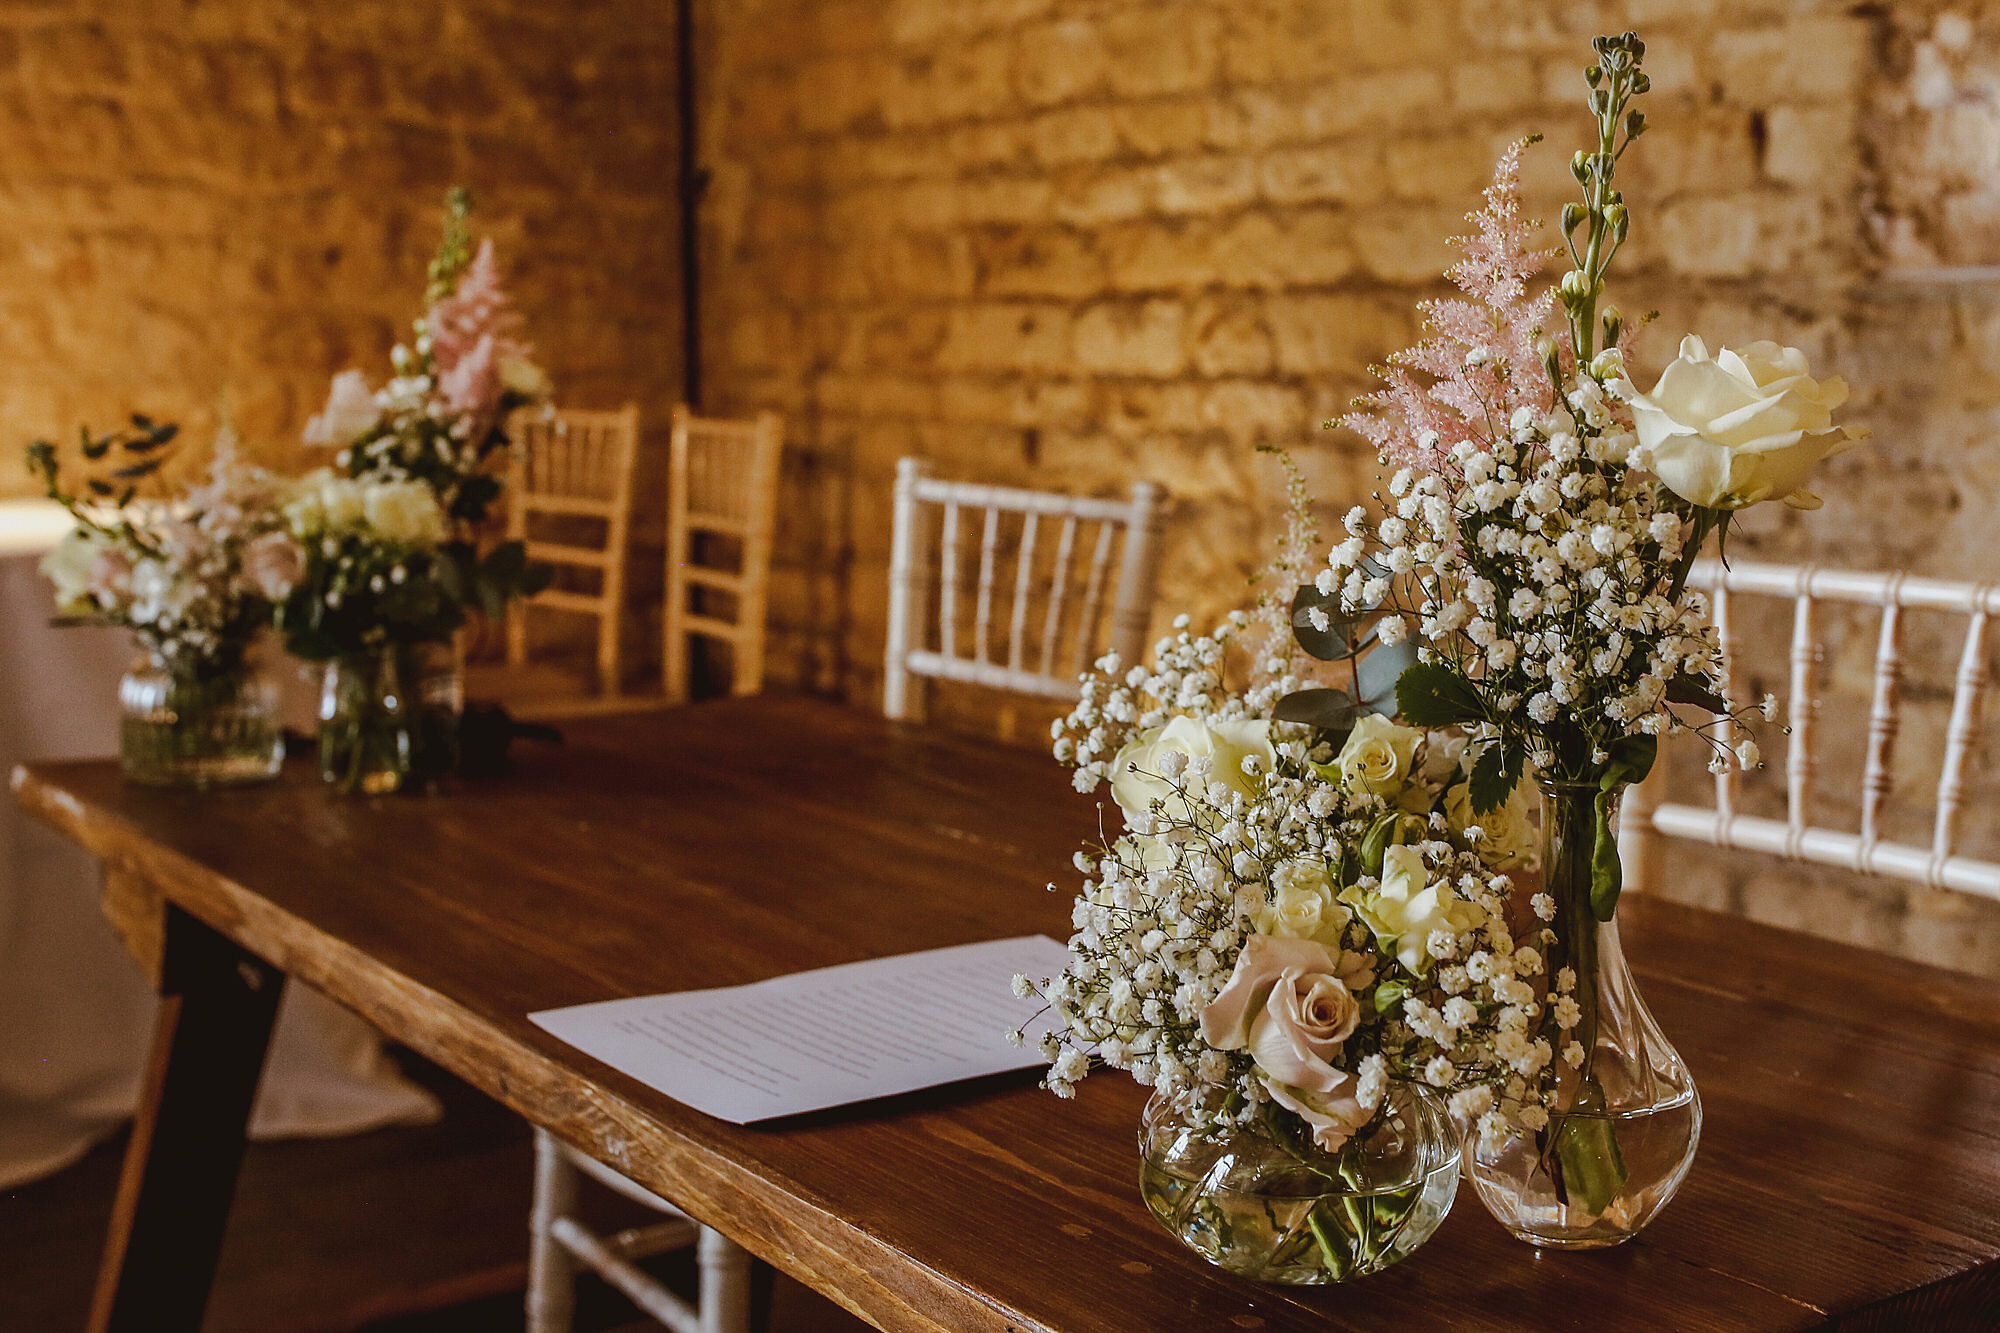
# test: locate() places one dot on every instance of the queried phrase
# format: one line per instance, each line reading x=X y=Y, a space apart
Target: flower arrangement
x=1544 y=514
x=1333 y=882
x=441 y=422
x=1295 y=922
x=194 y=576
x=1542 y=518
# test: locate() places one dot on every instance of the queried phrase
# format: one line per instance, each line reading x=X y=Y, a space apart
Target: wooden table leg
x=187 y=1142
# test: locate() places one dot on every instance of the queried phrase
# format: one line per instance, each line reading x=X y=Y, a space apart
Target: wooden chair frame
x=917 y=492
x=758 y=446
x=560 y=483
x=559 y=1242
x=1647 y=819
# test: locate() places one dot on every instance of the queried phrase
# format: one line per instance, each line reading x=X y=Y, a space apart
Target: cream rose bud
x=1407 y=906
x=404 y=511
x=1377 y=756
x=1508 y=841
x=1740 y=427
x=1135 y=781
x=1302 y=905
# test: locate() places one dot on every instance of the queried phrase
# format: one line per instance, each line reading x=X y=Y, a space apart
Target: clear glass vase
x=198 y=724
x=367 y=740
x=1627 y=1120
x=388 y=717
x=1263 y=1201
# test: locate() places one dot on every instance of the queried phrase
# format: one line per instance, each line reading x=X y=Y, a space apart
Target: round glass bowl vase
x=188 y=726
x=1264 y=1202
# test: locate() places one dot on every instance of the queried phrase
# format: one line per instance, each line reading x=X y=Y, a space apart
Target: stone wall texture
x=1073 y=244
x=1064 y=243
x=238 y=197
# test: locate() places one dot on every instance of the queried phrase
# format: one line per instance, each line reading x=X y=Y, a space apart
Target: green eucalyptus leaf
x=1378 y=673
x=1339 y=639
x=1326 y=709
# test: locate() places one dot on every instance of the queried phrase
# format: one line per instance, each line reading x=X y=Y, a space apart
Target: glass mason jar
x=1265 y=1202
x=1626 y=1122
x=198 y=725
x=366 y=741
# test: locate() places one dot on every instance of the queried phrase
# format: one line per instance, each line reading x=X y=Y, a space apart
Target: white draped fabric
x=76 y=1015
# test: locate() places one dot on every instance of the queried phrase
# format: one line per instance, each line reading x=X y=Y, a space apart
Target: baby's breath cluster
x=1545 y=569
x=1295 y=925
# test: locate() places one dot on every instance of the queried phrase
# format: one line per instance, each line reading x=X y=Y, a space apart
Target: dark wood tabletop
x=1849 y=1172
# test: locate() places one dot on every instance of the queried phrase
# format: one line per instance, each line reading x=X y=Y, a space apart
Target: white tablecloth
x=76 y=1015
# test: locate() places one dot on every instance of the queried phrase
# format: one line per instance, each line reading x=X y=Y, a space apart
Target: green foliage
x=1496 y=773
x=1614 y=81
x=1631 y=759
x=1430 y=694
x=133 y=453
x=455 y=250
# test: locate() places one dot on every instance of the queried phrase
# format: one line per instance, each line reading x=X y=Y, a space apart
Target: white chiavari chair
x=577 y=470
x=560 y=1243
x=1052 y=629
x=1648 y=819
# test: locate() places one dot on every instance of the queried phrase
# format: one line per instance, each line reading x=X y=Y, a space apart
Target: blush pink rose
x=273 y=565
x=1289 y=1006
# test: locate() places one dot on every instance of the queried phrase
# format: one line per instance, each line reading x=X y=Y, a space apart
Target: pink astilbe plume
x=477 y=308
x=1479 y=364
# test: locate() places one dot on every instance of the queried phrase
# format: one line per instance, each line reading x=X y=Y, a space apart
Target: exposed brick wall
x=241 y=196
x=1076 y=243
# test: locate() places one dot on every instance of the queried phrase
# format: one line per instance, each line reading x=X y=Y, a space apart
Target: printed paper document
x=824 y=1038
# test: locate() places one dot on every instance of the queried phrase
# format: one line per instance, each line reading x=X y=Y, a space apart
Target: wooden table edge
x=776 y=1225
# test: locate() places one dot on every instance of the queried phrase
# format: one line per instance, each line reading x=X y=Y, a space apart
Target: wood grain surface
x=1850 y=1158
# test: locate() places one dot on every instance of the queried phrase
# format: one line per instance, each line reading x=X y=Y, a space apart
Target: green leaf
x=1339 y=639
x=1631 y=760
x=1430 y=694
x=1495 y=774
x=1688 y=688
x=1377 y=675
x=1607 y=872
x=1322 y=708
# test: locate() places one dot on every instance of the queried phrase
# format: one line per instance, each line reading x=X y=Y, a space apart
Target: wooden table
x=1849 y=1172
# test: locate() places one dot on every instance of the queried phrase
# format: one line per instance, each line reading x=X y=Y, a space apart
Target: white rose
x=1508 y=841
x=336 y=500
x=1740 y=427
x=1302 y=905
x=350 y=413
x=1377 y=756
x=69 y=566
x=1289 y=1005
x=1408 y=906
x=404 y=511
x=1135 y=783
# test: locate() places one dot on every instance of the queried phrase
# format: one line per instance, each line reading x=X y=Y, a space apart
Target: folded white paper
x=825 y=1038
